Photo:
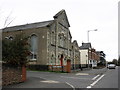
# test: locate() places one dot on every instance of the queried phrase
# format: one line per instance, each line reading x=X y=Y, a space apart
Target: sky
x=83 y=15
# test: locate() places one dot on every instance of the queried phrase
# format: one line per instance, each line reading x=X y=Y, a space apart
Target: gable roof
x=70 y=34
x=75 y=43
x=60 y=13
x=85 y=46
x=35 y=25
x=28 y=26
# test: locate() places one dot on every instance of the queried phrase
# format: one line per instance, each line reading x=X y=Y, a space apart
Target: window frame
x=34 y=54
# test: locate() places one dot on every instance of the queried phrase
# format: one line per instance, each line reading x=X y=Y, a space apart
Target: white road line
x=95 y=77
x=88 y=86
x=82 y=74
x=43 y=78
x=50 y=81
x=95 y=81
x=70 y=85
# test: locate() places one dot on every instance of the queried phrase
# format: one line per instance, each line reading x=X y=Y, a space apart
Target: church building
x=50 y=42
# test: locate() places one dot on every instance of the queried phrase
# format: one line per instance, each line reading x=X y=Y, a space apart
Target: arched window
x=9 y=37
x=52 y=58
x=52 y=37
x=34 y=46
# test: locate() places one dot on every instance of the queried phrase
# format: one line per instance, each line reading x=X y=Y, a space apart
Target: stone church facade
x=50 y=42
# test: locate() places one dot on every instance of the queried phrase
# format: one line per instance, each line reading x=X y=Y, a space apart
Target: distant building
x=85 y=54
x=50 y=42
x=95 y=58
x=88 y=56
x=75 y=55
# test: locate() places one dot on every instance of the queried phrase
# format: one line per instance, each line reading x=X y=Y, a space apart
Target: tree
x=115 y=61
x=8 y=21
x=5 y=20
x=16 y=50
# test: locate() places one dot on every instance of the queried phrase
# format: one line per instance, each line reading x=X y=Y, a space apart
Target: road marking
x=95 y=77
x=43 y=78
x=82 y=74
x=70 y=85
x=88 y=86
x=96 y=81
x=50 y=81
x=75 y=77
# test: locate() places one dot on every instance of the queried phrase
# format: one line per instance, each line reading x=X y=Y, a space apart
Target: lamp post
x=88 y=33
x=88 y=42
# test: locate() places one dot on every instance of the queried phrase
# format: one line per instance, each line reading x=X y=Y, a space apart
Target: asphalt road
x=94 y=78
x=110 y=79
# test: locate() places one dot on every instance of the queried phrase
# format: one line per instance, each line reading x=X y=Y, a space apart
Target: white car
x=111 y=66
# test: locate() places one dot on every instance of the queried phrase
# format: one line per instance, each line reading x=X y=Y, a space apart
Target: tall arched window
x=52 y=58
x=34 y=46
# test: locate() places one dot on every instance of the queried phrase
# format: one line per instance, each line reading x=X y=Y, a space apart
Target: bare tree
x=8 y=21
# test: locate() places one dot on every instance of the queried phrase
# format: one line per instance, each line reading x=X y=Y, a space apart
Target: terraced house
x=50 y=43
x=88 y=56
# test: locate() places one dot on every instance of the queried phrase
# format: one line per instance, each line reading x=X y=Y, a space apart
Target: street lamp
x=88 y=33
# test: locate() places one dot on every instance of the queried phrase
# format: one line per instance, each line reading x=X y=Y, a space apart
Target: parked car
x=111 y=66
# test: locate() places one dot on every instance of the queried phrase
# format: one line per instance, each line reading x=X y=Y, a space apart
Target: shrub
x=15 y=51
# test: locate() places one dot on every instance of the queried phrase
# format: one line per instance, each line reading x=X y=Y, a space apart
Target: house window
x=52 y=59
x=61 y=41
x=53 y=37
x=6 y=37
x=34 y=47
x=64 y=42
x=9 y=37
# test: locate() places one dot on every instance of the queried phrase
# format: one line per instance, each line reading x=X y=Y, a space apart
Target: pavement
x=35 y=82
x=39 y=80
x=79 y=79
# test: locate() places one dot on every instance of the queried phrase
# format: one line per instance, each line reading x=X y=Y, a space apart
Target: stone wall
x=11 y=75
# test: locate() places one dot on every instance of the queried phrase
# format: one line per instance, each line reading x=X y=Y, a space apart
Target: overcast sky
x=83 y=15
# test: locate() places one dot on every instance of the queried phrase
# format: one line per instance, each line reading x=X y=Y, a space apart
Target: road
x=110 y=79
x=94 y=78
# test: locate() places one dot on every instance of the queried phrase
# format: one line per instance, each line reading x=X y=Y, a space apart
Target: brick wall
x=11 y=75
